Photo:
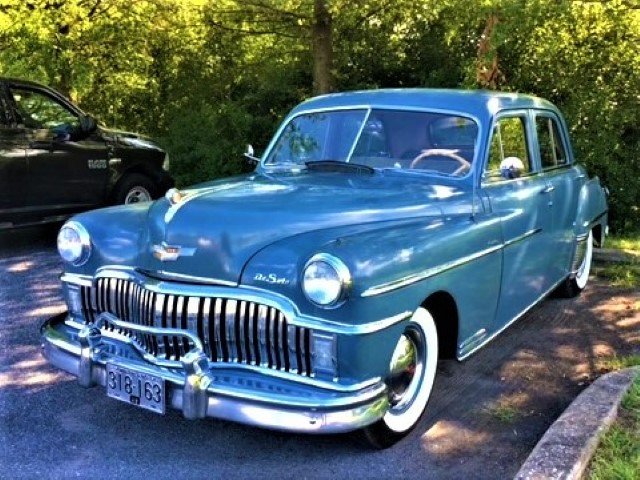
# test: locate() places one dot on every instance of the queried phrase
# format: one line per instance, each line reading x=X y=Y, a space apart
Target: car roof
x=478 y=103
x=22 y=81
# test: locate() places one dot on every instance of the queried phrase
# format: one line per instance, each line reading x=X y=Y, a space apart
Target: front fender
x=394 y=266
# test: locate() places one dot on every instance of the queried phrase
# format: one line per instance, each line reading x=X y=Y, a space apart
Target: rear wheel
x=134 y=188
x=411 y=376
x=572 y=286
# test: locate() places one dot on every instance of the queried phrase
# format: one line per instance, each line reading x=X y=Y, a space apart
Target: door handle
x=548 y=189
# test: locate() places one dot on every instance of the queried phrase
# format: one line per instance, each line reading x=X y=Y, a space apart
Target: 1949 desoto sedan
x=380 y=231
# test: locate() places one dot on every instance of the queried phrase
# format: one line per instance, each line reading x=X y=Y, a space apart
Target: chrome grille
x=231 y=331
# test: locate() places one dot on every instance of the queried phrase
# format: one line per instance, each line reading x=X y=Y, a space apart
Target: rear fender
x=592 y=211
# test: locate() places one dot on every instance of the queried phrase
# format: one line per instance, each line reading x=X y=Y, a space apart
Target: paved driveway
x=485 y=415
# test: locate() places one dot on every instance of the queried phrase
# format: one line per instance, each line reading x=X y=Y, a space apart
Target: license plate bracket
x=137 y=388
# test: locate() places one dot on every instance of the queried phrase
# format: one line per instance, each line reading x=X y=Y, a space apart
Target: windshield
x=430 y=142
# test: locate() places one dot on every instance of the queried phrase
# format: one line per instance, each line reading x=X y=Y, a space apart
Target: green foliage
x=207 y=142
x=209 y=76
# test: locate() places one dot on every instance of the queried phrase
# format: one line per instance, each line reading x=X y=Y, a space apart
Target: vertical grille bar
x=291 y=347
x=240 y=340
x=204 y=313
x=230 y=320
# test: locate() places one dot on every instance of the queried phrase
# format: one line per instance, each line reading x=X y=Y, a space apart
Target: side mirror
x=511 y=167
x=250 y=156
x=88 y=124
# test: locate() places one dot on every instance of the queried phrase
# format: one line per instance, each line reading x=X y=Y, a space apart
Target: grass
x=618 y=363
x=618 y=454
x=630 y=244
x=504 y=413
x=627 y=274
x=624 y=275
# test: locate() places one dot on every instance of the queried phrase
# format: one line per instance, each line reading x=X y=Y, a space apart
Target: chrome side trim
x=430 y=272
x=522 y=237
x=474 y=339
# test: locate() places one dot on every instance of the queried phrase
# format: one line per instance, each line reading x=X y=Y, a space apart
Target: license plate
x=136 y=388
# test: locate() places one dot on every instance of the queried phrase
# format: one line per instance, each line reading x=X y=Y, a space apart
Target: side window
x=552 y=150
x=43 y=112
x=508 y=153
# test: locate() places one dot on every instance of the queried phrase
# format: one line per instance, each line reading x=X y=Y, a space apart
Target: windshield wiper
x=338 y=166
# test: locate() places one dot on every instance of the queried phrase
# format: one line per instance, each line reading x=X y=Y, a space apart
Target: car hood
x=217 y=227
x=128 y=139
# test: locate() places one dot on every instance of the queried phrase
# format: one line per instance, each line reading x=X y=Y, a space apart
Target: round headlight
x=74 y=244
x=326 y=280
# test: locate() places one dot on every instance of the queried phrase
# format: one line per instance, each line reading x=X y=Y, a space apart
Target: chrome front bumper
x=200 y=391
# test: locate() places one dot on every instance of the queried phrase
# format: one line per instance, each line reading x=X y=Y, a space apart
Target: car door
x=66 y=169
x=13 y=165
x=520 y=197
x=565 y=182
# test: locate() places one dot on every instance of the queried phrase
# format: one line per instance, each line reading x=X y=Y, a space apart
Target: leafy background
x=207 y=77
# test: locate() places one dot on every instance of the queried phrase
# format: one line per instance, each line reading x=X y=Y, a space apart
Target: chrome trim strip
x=180 y=277
x=522 y=237
x=242 y=293
x=473 y=339
x=430 y=272
x=76 y=279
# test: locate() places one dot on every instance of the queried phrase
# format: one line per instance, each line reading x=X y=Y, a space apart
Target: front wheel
x=134 y=188
x=572 y=286
x=411 y=375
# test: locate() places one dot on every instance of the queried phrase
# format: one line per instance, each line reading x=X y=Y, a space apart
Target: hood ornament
x=174 y=196
x=171 y=253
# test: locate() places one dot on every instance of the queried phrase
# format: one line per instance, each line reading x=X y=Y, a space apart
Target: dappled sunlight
x=29 y=371
x=617 y=305
x=21 y=267
x=632 y=323
x=447 y=437
x=48 y=311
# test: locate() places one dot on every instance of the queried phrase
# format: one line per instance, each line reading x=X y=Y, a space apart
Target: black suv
x=56 y=160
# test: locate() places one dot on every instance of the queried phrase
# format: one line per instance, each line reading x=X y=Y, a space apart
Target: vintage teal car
x=381 y=231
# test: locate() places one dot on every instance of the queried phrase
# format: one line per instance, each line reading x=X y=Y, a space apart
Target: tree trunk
x=322 y=48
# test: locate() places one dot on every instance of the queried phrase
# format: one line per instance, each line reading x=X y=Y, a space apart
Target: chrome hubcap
x=405 y=372
x=137 y=195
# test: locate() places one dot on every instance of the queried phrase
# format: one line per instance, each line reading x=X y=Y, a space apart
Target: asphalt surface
x=485 y=416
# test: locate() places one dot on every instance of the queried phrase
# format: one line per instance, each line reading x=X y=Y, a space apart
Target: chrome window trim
x=269 y=167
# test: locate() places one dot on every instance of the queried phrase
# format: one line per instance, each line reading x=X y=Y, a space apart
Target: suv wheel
x=134 y=188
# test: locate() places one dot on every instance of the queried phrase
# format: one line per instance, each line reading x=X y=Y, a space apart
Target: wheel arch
x=444 y=310
x=118 y=176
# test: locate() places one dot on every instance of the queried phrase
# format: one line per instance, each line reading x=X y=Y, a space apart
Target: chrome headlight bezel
x=326 y=281
x=74 y=243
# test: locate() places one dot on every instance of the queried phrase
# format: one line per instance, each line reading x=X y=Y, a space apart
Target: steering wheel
x=442 y=152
